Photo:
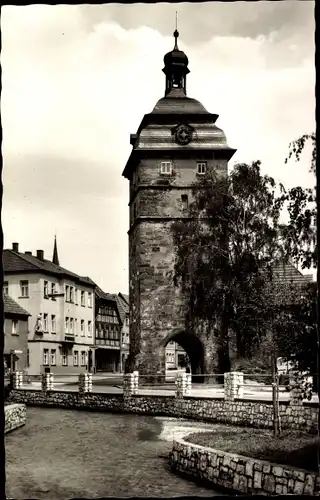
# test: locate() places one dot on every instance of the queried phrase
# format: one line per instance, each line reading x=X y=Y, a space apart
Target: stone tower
x=174 y=146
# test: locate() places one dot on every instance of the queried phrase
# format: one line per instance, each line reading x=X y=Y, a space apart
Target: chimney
x=15 y=247
x=40 y=254
x=28 y=253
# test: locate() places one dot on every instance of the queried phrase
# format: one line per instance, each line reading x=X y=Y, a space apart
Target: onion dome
x=176 y=56
x=175 y=68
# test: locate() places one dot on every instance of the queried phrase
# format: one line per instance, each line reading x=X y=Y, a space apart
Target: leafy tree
x=224 y=250
x=226 y=253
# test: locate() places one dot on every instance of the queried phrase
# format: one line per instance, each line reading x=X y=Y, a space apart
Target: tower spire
x=55 y=258
x=176 y=67
x=176 y=33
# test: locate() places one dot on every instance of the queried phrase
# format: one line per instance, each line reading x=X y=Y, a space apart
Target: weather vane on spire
x=176 y=20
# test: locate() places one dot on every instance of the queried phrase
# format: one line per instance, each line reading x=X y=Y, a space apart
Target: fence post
x=47 y=381
x=296 y=390
x=85 y=383
x=233 y=385
x=17 y=380
x=183 y=385
x=130 y=384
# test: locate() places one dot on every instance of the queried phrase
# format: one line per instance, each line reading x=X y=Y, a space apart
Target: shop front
x=107 y=359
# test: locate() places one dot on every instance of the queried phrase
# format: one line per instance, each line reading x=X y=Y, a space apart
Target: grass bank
x=291 y=448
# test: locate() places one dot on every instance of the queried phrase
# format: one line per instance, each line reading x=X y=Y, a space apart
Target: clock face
x=183 y=134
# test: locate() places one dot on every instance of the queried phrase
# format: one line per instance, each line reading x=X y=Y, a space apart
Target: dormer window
x=166 y=168
x=201 y=167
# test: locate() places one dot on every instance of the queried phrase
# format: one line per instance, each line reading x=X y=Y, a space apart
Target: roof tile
x=12 y=307
x=15 y=261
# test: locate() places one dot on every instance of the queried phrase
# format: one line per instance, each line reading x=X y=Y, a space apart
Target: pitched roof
x=123 y=306
x=124 y=297
x=103 y=295
x=288 y=273
x=11 y=307
x=20 y=262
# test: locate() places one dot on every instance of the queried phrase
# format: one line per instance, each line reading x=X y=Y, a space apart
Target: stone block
x=240 y=468
x=258 y=466
x=266 y=468
x=257 y=479
x=269 y=484
x=277 y=471
x=249 y=468
x=299 y=474
x=236 y=479
x=243 y=484
x=298 y=487
x=233 y=465
x=309 y=485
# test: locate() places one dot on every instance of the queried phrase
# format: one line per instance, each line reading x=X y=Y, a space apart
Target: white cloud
x=72 y=95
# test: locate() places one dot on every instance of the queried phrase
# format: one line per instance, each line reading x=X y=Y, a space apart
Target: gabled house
x=107 y=332
x=61 y=305
x=15 y=353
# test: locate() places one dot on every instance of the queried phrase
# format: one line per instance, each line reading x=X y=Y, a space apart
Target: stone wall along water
x=15 y=416
x=238 y=412
x=241 y=474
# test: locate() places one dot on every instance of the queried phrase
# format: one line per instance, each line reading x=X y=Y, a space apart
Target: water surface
x=62 y=454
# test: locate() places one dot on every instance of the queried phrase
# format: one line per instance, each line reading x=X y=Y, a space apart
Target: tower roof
x=175 y=56
x=55 y=258
x=157 y=130
x=177 y=102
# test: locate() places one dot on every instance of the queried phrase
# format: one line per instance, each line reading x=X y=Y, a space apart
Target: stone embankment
x=238 y=412
x=241 y=474
x=15 y=416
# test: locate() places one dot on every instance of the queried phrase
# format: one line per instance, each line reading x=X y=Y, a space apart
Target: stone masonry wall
x=15 y=416
x=238 y=412
x=241 y=474
x=157 y=307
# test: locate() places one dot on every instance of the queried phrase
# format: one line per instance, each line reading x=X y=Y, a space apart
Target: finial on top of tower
x=176 y=33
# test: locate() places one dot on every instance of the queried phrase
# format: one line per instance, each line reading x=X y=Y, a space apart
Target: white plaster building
x=61 y=304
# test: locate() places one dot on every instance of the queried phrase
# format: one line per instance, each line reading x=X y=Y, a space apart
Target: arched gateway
x=175 y=145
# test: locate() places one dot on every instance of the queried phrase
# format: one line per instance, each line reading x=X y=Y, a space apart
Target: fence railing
x=229 y=386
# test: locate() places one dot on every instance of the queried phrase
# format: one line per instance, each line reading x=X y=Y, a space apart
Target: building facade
x=107 y=332
x=61 y=304
x=175 y=355
x=175 y=146
x=123 y=307
x=16 y=328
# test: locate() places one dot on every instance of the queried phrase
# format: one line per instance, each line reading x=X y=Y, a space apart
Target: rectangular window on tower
x=166 y=168
x=201 y=167
x=184 y=200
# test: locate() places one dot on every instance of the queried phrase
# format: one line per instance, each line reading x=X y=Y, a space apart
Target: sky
x=77 y=80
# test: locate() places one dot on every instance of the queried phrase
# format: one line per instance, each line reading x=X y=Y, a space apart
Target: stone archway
x=192 y=346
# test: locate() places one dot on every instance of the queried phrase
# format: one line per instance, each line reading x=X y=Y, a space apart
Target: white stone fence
x=233 y=385
x=130 y=384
